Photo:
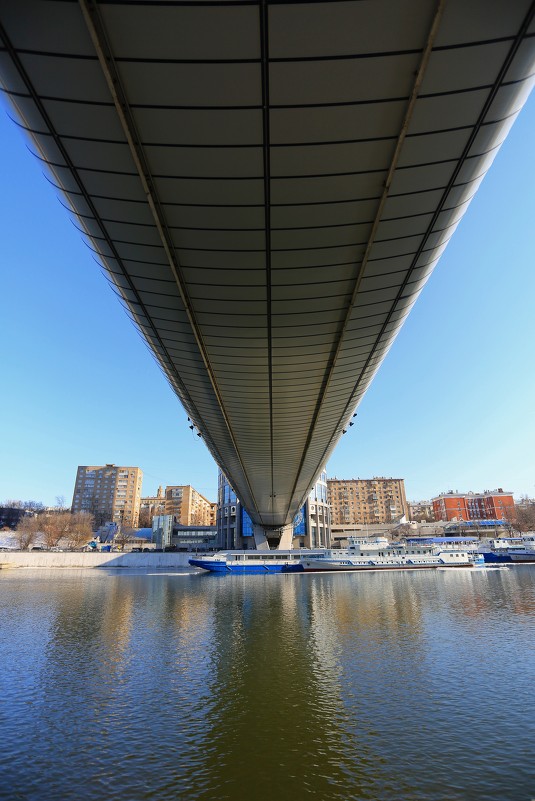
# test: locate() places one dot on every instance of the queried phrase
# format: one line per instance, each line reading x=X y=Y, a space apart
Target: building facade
x=162 y=530
x=213 y=513
x=317 y=518
x=152 y=505
x=187 y=506
x=311 y=526
x=421 y=511
x=368 y=501
x=110 y=493
x=167 y=533
x=488 y=505
x=10 y=516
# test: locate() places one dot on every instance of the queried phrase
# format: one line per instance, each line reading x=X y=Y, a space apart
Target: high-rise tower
x=110 y=493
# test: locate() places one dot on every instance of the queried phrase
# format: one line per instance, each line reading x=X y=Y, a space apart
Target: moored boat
x=362 y=554
x=249 y=562
x=512 y=549
x=526 y=553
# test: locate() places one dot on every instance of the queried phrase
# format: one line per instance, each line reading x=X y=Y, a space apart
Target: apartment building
x=188 y=507
x=367 y=500
x=108 y=492
x=488 y=505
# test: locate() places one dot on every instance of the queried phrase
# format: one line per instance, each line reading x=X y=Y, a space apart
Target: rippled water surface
x=136 y=686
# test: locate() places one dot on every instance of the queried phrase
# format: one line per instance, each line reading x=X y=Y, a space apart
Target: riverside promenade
x=70 y=559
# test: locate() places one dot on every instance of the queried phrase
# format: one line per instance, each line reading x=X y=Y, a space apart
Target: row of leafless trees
x=57 y=527
x=53 y=529
x=522 y=515
x=29 y=506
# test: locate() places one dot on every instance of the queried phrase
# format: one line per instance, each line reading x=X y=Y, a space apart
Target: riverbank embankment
x=45 y=559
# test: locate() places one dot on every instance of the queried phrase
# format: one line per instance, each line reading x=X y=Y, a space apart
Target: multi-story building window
x=488 y=505
x=187 y=506
x=377 y=500
x=101 y=490
x=421 y=511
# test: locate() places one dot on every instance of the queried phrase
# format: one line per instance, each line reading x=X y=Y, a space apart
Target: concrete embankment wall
x=13 y=559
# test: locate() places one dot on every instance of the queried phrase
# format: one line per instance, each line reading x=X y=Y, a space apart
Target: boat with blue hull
x=361 y=554
x=511 y=550
x=249 y=562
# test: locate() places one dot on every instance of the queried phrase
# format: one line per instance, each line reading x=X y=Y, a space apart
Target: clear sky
x=452 y=407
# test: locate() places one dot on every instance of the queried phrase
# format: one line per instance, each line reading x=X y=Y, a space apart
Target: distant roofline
x=375 y=478
x=103 y=466
x=484 y=494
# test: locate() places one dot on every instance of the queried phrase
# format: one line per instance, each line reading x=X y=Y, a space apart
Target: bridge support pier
x=261 y=538
x=285 y=542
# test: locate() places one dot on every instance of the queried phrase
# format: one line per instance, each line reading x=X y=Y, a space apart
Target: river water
x=134 y=686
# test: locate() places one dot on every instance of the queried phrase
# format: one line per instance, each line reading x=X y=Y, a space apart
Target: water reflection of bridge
x=269 y=187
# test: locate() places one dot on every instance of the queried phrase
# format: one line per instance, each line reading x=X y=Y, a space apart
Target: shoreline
x=90 y=561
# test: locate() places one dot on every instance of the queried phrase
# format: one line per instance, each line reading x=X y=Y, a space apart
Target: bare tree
x=27 y=531
x=145 y=517
x=522 y=515
x=30 y=506
x=56 y=527
x=401 y=531
x=60 y=503
x=34 y=506
x=123 y=537
x=80 y=529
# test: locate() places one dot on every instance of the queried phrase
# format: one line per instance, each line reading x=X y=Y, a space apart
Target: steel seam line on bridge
x=98 y=36
x=266 y=161
x=268 y=185
x=338 y=343
x=419 y=78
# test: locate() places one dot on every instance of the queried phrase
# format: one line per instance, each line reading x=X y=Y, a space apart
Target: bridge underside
x=269 y=186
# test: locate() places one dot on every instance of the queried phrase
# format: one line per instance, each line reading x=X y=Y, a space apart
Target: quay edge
x=70 y=559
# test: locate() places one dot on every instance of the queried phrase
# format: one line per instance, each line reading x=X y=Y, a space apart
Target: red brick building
x=488 y=505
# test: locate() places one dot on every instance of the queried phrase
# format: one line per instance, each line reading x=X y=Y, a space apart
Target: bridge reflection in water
x=269 y=186
x=199 y=687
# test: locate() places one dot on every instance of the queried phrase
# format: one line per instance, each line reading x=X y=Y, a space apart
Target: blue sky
x=452 y=407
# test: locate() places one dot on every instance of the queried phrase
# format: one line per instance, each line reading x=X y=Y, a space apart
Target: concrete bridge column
x=285 y=542
x=260 y=539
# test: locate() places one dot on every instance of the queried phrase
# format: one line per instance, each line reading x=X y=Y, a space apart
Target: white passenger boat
x=512 y=549
x=526 y=551
x=251 y=561
x=378 y=554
